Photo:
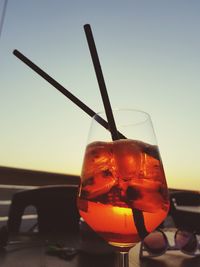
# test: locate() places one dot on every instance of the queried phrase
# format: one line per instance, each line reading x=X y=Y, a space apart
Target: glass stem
x=122 y=259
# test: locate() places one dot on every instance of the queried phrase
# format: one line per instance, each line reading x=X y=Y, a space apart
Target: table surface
x=33 y=252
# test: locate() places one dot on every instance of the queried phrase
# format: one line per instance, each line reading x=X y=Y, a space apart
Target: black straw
x=101 y=82
x=60 y=88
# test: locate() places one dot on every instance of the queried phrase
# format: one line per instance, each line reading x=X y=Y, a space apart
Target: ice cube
x=98 y=157
x=101 y=183
x=152 y=168
x=146 y=195
x=127 y=156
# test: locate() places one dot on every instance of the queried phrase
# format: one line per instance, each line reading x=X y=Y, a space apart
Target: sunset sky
x=149 y=53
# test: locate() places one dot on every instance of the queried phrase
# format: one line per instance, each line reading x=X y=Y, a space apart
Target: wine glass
x=123 y=193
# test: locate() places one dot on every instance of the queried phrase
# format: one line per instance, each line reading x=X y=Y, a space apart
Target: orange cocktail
x=118 y=177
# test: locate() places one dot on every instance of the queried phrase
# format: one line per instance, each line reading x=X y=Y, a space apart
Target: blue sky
x=149 y=53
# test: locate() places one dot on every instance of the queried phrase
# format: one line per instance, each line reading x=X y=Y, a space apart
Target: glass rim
x=124 y=109
x=146 y=115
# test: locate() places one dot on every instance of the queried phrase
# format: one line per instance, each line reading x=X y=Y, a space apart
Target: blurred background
x=149 y=53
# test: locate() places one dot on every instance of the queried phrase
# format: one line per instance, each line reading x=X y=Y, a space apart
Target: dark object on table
x=3 y=237
x=55 y=205
x=66 y=253
x=185 y=210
